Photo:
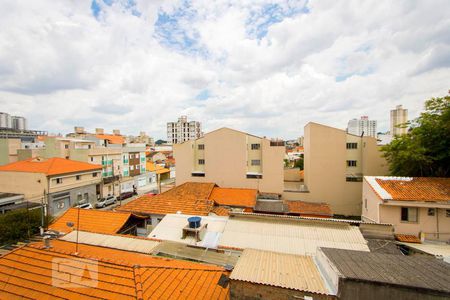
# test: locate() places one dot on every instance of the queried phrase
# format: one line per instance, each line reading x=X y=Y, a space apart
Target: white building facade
x=362 y=126
x=182 y=130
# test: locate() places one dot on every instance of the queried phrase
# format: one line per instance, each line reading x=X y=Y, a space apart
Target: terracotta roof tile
x=99 y=221
x=407 y=238
x=29 y=272
x=220 y=211
x=51 y=166
x=417 y=188
x=190 y=198
x=309 y=208
x=113 y=139
x=234 y=197
x=152 y=167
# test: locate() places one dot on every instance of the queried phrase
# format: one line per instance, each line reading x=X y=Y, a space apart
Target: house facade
x=416 y=206
x=231 y=158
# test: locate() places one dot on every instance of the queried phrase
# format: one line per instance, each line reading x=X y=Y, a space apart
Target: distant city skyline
x=266 y=67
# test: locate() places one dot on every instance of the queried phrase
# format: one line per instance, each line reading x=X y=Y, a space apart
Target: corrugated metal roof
x=281 y=270
x=171 y=226
x=112 y=241
x=436 y=249
x=290 y=236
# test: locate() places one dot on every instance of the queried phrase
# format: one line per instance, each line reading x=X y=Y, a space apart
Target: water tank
x=194 y=222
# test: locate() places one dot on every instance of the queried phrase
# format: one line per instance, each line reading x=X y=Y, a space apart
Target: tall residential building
x=231 y=158
x=362 y=126
x=334 y=165
x=398 y=116
x=182 y=130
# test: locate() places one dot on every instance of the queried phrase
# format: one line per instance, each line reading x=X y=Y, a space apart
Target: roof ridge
x=138 y=282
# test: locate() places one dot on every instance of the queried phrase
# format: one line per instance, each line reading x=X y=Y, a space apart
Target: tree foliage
x=18 y=225
x=425 y=149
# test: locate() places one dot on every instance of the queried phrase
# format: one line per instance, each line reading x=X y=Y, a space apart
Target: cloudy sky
x=266 y=67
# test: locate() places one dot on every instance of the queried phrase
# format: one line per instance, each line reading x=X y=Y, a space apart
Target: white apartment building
x=398 y=116
x=363 y=125
x=182 y=130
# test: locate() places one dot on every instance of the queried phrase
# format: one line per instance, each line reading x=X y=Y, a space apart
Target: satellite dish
x=70 y=224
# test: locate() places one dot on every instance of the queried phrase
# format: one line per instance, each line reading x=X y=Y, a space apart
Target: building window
x=447 y=213
x=94 y=174
x=201 y=161
x=92 y=159
x=431 y=211
x=66 y=146
x=79 y=197
x=352 y=145
x=351 y=163
x=58 y=180
x=254 y=176
x=256 y=162
x=78 y=177
x=89 y=146
x=256 y=146
x=201 y=147
x=409 y=214
x=198 y=174
x=86 y=197
x=353 y=179
x=131 y=167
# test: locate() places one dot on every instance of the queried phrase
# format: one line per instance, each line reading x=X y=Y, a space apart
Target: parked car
x=85 y=206
x=125 y=195
x=103 y=202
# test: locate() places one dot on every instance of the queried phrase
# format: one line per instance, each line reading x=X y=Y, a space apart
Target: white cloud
x=269 y=68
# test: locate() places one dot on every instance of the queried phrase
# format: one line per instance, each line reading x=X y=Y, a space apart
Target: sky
x=264 y=67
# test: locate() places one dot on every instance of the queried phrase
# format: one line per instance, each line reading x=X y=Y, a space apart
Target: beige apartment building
x=416 y=206
x=231 y=158
x=8 y=150
x=58 y=182
x=399 y=116
x=334 y=166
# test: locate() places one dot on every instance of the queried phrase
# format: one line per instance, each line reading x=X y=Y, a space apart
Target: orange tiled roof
x=50 y=166
x=152 y=167
x=234 y=197
x=220 y=211
x=407 y=238
x=190 y=198
x=113 y=139
x=309 y=208
x=99 y=221
x=29 y=272
x=417 y=189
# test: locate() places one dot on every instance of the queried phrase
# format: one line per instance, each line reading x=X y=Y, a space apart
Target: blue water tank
x=194 y=222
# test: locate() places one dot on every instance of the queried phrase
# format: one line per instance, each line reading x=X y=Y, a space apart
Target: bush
x=19 y=225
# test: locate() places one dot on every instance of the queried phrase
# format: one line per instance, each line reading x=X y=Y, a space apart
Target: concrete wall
x=242 y=290
x=326 y=168
x=371 y=213
x=292 y=174
x=59 y=202
x=350 y=290
x=8 y=150
x=31 y=185
x=228 y=156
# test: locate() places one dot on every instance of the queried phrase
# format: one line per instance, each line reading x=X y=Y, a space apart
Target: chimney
x=47 y=244
x=99 y=131
x=116 y=131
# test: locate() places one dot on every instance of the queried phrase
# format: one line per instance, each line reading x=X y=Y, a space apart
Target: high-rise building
x=363 y=126
x=181 y=131
x=398 y=116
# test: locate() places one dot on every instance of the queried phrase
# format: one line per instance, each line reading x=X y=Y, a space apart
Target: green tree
x=18 y=225
x=299 y=163
x=425 y=149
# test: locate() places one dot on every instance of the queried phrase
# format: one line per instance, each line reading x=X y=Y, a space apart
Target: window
x=58 y=180
x=86 y=197
x=201 y=161
x=131 y=167
x=351 y=163
x=78 y=177
x=79 y=197
x=66 y=146
x=409 y=214
x=256 y=146
x=198 y=174
x=254 y=176
x=89 y=146
x=352 y=145
x=201 y=147
x=447 y=213
x=256 y=162
x=353 y=179
x=92 y=159
x=94 y=174
x=431 y=211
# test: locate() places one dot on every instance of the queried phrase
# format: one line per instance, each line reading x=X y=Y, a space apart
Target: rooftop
x=29 y=272
x=410 y=188
x=112 y=138
x=190 y=198
x=152 y=167
x=92 y=220
x=234 y=197
x=309 y=208
x=51 y=166
x=399 y=270
x=279 y=269
x=289 y=235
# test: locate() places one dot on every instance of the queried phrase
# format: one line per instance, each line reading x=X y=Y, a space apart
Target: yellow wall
x=31 y=185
